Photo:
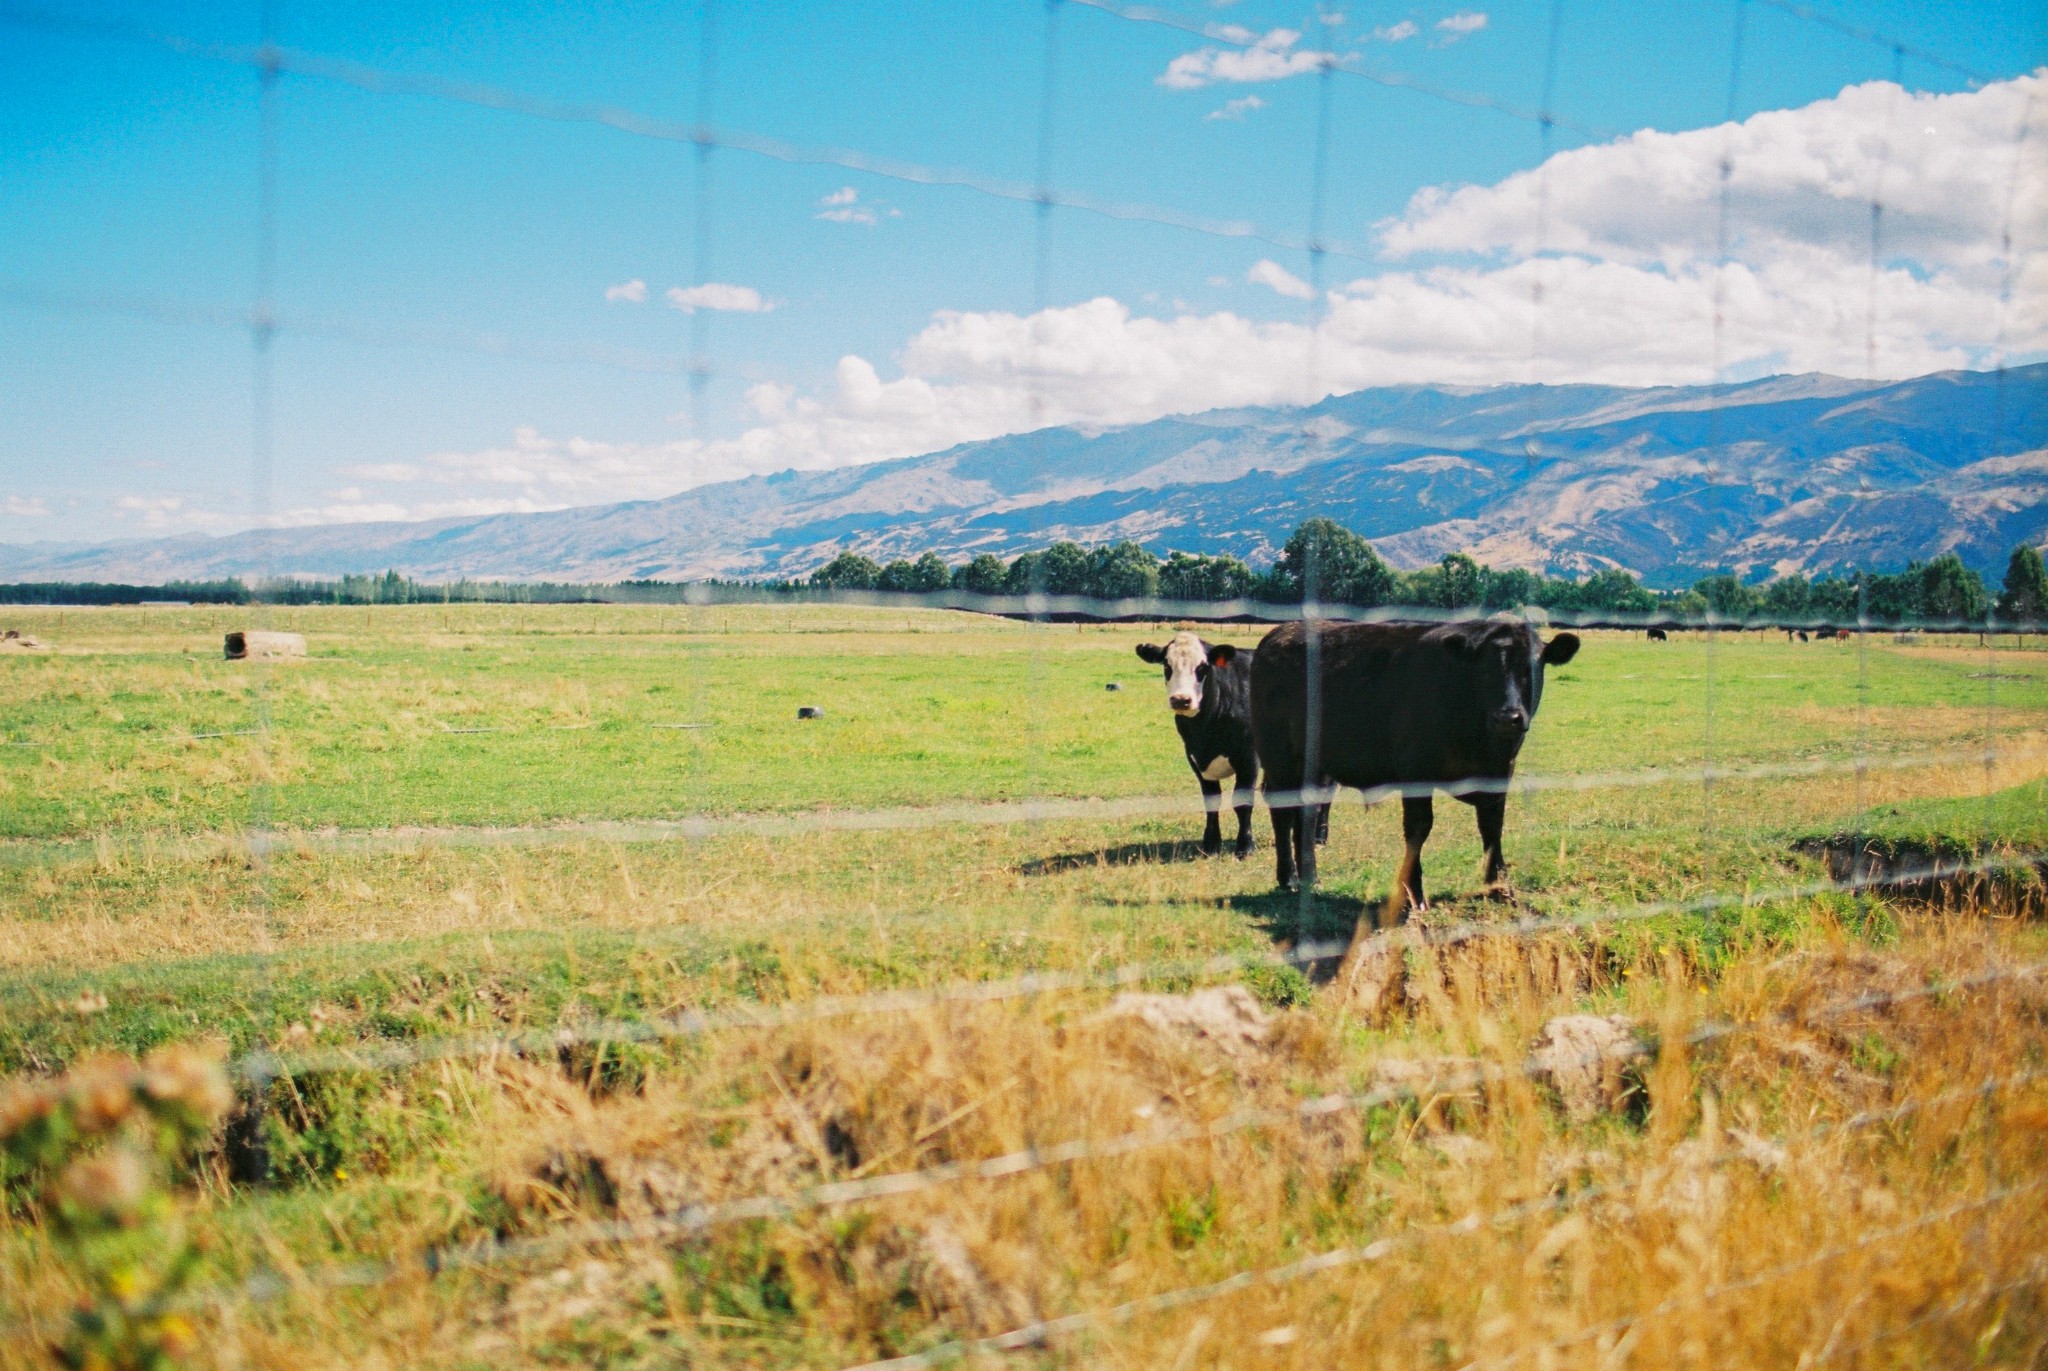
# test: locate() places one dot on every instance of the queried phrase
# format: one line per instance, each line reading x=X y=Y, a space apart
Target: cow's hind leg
x=1212 y=824
x=1418 y=816
x=1491 y=811
x=1285 y=820
x=1322 y=824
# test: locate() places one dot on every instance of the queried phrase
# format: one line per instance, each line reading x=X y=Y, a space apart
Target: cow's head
x=1507 y=658
x=1188 y=663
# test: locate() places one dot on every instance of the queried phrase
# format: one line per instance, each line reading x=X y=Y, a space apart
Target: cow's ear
x=1222 y=655
x=1152 y=653
x=1561 y=649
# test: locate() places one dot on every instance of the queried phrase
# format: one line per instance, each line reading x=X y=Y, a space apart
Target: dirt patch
x=1941 y=871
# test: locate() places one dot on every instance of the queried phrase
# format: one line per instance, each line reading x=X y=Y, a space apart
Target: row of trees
x=1328 y=563
x=1323 y=561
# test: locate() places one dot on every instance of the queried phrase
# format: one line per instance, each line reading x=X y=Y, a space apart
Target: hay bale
x=14 y=640
x=259 y=645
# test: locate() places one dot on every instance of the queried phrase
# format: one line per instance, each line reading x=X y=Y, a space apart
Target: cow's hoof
x=1242 y=851
x=1500 y=893
x=1210 y=849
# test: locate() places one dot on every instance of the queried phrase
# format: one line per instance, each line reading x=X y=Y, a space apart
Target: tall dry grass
x=1722 y=1216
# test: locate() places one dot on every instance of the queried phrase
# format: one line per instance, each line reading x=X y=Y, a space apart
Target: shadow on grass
x=1124 y=854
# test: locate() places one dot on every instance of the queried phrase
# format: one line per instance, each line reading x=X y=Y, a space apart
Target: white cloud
x=24 y=507
x=1271 y=274
x=718 y=296
x=1396 y=33
x=1798 y=179
x=1272 y=57
x=1236 y=109
x=633 y=292
x=843 y=206
x=1622 y=294
x=1461 y=24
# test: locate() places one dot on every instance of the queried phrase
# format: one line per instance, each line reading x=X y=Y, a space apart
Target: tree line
x=1322 y=561
x=1325 y=562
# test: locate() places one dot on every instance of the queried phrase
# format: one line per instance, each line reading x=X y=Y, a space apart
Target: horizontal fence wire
x=991 y=813
x=1046 y=610
x=270 y=57
x=1955 y=1308
x=1331 y=1260
x=1813 y=14
x=1236 y=35
x=1723 y=1289
x=268 y=1064
x=1033 y=1334
x=364 y=333
x=697 y=1218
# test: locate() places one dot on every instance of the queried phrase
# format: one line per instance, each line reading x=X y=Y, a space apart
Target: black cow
x=1402 y=705
x=1658 y=635
x=1208 y=690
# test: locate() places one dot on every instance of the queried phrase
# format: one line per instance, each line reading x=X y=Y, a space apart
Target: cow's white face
x=1185 y=659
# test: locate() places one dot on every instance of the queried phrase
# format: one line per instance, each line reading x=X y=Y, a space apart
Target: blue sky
x=878 y=318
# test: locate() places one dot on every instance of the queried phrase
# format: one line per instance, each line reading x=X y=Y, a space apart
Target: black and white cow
x=1208 y=688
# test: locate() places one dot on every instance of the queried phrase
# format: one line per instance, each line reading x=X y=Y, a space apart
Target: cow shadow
x=1328 y=919
x=1124 y=854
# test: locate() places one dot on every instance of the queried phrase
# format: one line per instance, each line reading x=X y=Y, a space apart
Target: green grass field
x=450 y=797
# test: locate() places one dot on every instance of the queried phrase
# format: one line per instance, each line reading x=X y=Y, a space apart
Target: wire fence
x=1464 y=1080
x=275 y=66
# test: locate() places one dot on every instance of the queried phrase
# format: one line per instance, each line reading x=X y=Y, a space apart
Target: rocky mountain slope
x=1810 y=472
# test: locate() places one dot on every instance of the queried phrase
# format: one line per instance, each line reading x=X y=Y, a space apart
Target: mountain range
x=1807 y=472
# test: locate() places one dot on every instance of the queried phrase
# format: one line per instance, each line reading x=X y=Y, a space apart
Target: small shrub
x=91 y=1152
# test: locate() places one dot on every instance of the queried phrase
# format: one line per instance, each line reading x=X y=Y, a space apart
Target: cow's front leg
x=1491 y=811
x=1418 y=816
x=1212 y=826
x=1241 y=801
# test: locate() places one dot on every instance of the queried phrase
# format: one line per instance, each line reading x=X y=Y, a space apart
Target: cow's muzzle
x=1181 y=704
x=1508 y=723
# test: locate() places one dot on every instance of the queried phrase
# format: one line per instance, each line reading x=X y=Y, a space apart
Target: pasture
x=480 y=824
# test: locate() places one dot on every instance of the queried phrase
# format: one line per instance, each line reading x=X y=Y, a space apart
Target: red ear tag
x=1219 y=662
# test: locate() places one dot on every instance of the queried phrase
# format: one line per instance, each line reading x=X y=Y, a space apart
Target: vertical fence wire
x=261 y=496
x=1717 y=326
x=1998 y=403
x=1309 y=814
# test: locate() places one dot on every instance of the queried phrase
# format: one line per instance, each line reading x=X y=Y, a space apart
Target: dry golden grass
x=1724 y=1220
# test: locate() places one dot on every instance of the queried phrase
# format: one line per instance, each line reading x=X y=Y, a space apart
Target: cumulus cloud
x=24 y=507
x=1459 y=25
x=1797 y=179
x=719 y=296
x=1396 y=33
x=1270 y=57
x=1276 y=277
x=632 y=292
x=1621 y=292
x=1236 y=109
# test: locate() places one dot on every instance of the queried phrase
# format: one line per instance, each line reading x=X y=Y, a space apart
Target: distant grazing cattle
x=1208 y=690
x=1825 y=633
x=1802 y=635
x=1402 y=705
x=1658 y=635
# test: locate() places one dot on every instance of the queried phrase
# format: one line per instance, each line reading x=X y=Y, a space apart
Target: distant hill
x=1810 y=472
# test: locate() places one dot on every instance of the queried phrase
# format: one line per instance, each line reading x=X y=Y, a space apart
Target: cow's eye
x=1202 y=672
